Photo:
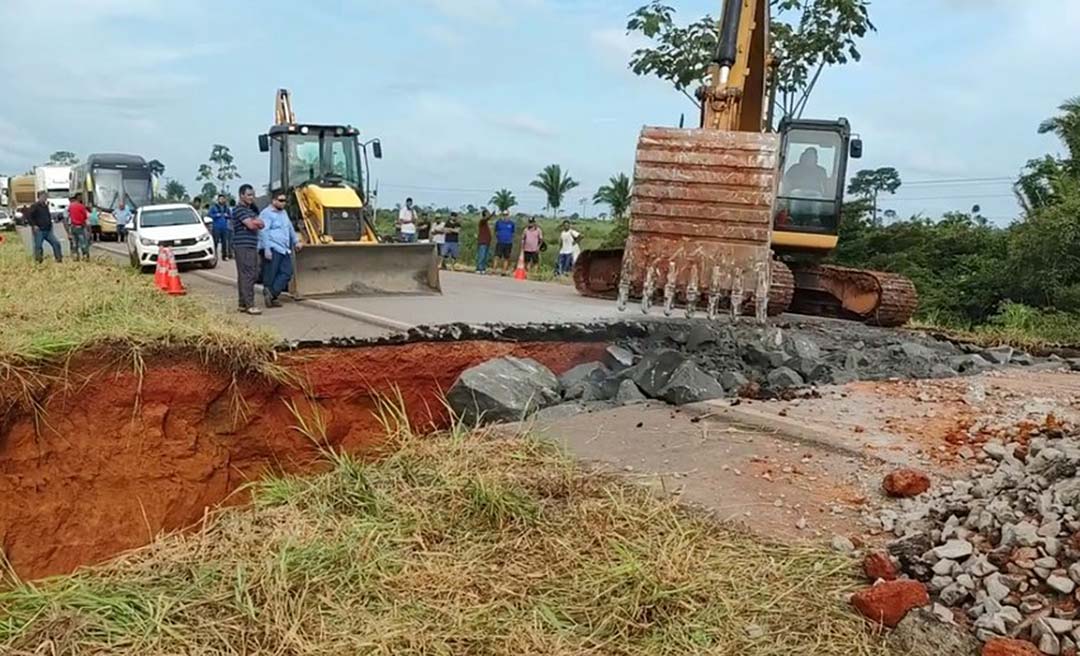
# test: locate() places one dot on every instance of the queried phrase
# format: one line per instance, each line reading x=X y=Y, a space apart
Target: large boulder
x=905 y=483
x=921 y=633
x=761 y=356
x=689 y=384
x=801 y=347
x=784 y=378
x=654 y=371
x=618 y=358
x=504 y=389
x=576 y=382
x=629 y=394
x=999 y=355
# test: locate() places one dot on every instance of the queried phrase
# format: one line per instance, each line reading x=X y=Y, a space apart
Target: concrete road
x=466 y=297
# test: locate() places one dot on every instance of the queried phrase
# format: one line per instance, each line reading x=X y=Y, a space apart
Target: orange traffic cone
x=161 y=273
x=175 y=288
x=519 y=272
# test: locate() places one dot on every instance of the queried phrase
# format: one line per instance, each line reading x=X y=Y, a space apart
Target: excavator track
x=871 y=297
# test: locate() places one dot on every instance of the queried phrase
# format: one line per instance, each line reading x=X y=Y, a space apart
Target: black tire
x=134 y=262
x=212 y=264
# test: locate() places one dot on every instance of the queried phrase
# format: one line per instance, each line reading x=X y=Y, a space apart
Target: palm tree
x=553 y=182
x=1066 y=126
x=503 y=200
x=615 y=194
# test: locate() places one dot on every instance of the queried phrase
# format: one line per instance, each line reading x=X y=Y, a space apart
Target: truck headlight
x=203 y=237
x=147 y=242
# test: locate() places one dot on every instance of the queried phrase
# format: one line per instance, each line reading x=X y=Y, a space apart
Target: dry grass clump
x=454 y=544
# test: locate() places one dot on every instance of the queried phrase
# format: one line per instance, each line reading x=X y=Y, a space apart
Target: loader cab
x=308 y=154
x=810 y=194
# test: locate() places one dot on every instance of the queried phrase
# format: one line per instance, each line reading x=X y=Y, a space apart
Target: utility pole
x=584 y=202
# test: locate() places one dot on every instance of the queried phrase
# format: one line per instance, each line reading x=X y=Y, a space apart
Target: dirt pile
x=119 y=455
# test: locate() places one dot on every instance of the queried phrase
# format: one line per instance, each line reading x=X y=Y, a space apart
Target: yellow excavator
x=731 y=217
x=324 y=171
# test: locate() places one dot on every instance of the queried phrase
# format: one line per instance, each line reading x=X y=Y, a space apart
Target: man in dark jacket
x=246 y=225
x=40 y=221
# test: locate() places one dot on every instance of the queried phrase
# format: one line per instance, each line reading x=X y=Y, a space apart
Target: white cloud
x=524 y=124
x=482 y=11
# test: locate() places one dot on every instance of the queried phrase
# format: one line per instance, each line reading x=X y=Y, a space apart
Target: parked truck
x=56 y=182
x=20 y=195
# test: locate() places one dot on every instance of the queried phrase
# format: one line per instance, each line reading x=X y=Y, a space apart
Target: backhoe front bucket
x=366 y=270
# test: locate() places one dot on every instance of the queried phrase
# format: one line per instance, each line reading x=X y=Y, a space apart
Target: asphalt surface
x=466 y=297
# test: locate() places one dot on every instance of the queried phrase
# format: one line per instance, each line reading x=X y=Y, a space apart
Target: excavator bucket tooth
x=366 y=270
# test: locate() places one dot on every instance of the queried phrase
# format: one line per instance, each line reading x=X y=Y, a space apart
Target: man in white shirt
x=568 y=241
x=438 y=233
x=406 y=222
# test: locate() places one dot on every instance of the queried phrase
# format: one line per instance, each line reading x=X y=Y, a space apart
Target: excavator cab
x=321 y=169
x=810 y=194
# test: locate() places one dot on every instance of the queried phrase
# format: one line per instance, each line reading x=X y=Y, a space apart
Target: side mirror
x=376 y=149
x=856 y=148
x=264 y=143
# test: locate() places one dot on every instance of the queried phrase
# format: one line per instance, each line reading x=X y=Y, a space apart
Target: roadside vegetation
x=49 y=311
x=460 y=543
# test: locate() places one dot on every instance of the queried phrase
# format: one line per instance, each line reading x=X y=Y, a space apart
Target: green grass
x=1015 y=325
x=50 y=310
x=461 y=544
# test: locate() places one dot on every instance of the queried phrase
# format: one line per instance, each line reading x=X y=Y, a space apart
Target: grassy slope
x=50 y=310
x=456 y=544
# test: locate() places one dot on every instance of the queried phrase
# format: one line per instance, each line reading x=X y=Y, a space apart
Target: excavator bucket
x=701 y=221
x=355 y=269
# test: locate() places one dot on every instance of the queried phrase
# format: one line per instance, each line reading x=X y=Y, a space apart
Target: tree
x=209 y=191
x=1067 y=128
x=220 y=168
x=555 y=184
x=63 y=158
x=806 y=36
x=503 y=200
x=175 y=191
x=869 y=183
x=615 y=194
x=1042 y=183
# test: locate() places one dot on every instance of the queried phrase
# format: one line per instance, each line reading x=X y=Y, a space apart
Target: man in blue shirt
x=220 y=215
x=277 y=241
x=504 y=242
x=122 y=215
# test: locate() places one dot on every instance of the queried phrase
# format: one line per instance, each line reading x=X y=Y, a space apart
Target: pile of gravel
x=1003 y=547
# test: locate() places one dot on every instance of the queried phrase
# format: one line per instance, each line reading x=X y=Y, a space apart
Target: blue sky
x=472 y=95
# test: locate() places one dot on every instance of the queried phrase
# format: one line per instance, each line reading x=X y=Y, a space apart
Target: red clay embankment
x=110 y=468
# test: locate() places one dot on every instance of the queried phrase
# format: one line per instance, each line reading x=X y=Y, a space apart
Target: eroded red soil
x=108 y=471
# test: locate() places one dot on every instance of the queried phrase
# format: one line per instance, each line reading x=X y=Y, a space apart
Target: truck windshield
x=309 y=157
x=112 y=185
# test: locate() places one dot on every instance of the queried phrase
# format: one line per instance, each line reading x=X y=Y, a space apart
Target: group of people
x=258 y=241
x=494 y=241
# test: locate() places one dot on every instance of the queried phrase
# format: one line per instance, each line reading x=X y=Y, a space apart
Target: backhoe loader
x=322 y=169
x=730 y=217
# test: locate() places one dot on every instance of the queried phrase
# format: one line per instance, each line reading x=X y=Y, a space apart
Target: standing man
x=220 y=214
x=246 y=226
x=483 y=241
x=122 y=215
x=504 y=241
x=79 y=219
x=407 y=222
x=568 y=239
x=277 y=241
x=40 y=220
x=452 y=245
x=531 y=243
x=438 y=235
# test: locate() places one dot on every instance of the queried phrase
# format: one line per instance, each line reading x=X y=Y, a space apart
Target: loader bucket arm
x=353 y=269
